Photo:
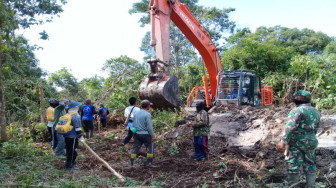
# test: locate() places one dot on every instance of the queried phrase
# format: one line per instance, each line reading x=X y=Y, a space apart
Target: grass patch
x=24 y=165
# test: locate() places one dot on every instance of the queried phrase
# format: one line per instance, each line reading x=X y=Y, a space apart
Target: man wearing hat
x=71 y=139
x=300 y=138
x=53 y=103
x=144 y=133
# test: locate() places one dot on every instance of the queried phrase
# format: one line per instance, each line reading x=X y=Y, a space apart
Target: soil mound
x=241 y=144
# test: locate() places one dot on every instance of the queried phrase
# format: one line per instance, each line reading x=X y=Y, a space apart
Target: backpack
x=104 y=112
x=50 y=114
x=63 y=126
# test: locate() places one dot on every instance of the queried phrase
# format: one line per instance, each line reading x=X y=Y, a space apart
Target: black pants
x=140 y=139
x=103 y=122
x=53 y=137
x=71 y=145
x=87 y=125
x=128 y=137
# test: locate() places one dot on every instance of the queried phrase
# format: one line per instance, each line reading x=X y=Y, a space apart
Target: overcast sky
x=88 y=33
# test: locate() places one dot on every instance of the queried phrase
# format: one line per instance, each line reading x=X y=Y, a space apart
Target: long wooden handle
x=119 y=176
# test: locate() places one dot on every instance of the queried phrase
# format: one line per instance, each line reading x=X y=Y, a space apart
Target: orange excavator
x=161 y=88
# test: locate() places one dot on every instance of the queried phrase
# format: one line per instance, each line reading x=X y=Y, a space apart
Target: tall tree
x=92 y=87
x=125 y=77
x=16 y=14
x=64 y=79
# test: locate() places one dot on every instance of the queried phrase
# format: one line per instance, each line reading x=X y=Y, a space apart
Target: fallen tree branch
x=147 y=181
x=221 y=159
x=326 y=177
x=119 y=176
x=295 y=184
x=237 y=178
x=107 y=92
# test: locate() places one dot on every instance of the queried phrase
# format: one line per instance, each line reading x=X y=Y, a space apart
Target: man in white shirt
x=130 y=111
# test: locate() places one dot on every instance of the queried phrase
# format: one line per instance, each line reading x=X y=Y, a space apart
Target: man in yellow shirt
x=50 y=117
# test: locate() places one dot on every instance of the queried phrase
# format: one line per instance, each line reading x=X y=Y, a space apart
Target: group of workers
x=299 y=140
x=62 y=113
x=138 y=121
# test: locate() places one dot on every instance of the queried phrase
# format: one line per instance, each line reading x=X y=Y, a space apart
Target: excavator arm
x=160 y=87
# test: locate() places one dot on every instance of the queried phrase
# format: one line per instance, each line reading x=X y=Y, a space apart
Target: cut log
x=115 y=173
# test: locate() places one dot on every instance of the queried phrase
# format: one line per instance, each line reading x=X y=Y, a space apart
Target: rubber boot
x=87 y=135
x=293 y=178
x=91 y=133
x=149 y=163
x=310 y=180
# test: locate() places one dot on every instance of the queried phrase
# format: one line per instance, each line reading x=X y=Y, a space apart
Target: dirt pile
x=114 y=120
x=245 y=127
x=242 y=152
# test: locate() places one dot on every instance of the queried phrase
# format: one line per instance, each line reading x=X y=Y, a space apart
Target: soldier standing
x=201 y=131
x=300 y=139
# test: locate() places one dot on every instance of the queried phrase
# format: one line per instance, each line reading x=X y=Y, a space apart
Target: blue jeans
x=60 y=145
x=201 y=147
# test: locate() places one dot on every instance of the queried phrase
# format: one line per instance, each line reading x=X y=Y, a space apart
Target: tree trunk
x=43 y=112
x=176 y=46
x=3 y=120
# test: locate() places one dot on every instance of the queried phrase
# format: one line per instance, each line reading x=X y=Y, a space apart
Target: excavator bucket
x=163 y=92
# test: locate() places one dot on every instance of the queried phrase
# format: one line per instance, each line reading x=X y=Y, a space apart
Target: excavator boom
x=160 y=87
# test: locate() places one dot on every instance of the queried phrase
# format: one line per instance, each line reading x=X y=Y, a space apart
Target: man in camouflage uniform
x=201 y=132
x=300 y=136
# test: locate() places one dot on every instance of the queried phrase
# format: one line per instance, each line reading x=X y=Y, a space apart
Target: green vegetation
x=288 y=59
x=173 y=149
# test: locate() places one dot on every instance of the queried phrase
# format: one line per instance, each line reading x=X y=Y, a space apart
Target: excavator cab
x=242 y=87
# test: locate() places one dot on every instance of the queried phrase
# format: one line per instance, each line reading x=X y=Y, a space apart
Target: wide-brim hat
x=73 y=104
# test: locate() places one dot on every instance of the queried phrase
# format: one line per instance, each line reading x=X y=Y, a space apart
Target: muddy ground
x=242 y=152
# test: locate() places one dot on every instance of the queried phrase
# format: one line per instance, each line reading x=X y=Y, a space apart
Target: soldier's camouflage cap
x=302 y=95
